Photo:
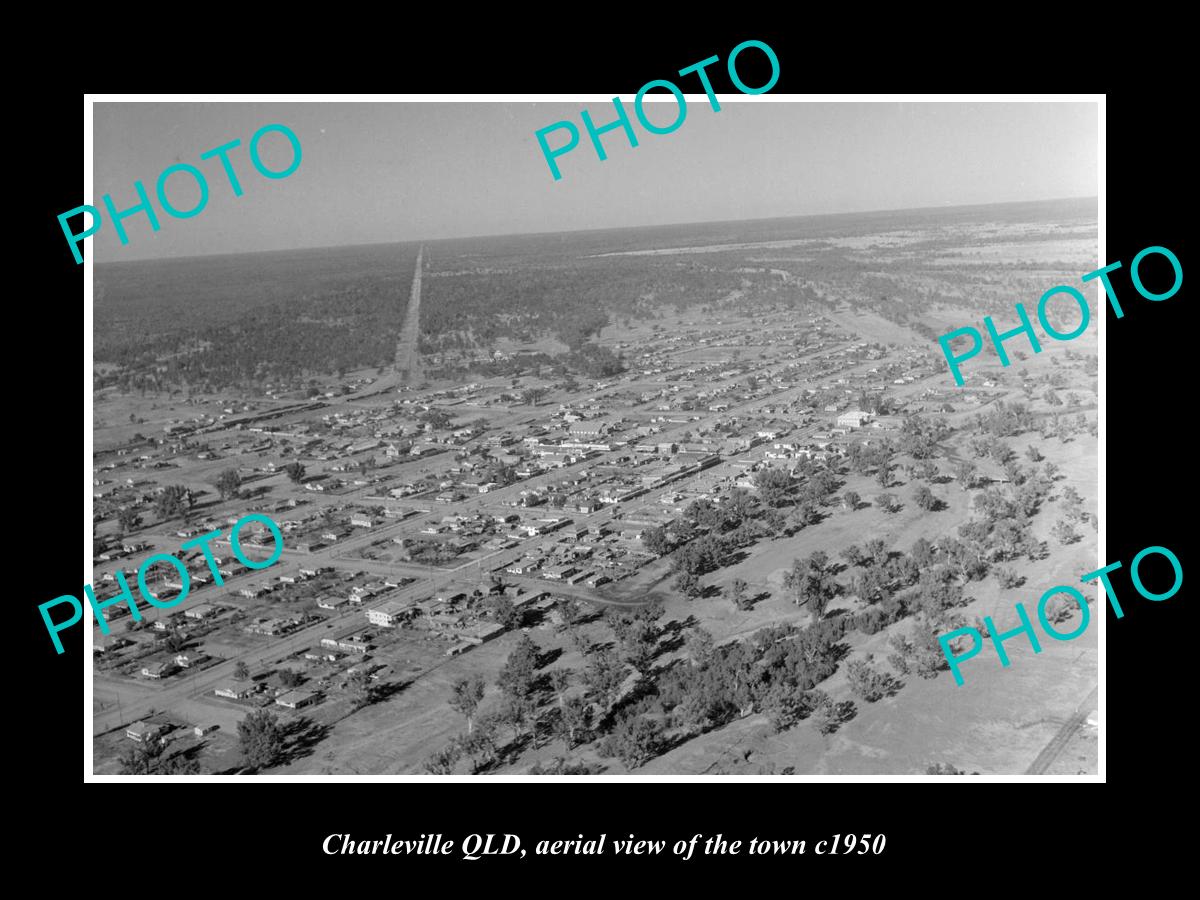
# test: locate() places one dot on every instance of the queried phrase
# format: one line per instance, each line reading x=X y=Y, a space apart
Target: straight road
x=408 y=355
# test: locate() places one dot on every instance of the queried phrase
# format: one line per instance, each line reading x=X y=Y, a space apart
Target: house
x=190 y=658
x=332 y=602
x=237 y=690
x=297 y=699
x=112 y=644
x=201 y=611
x=160 y=669
x=389 y=613
x=363 y=520
x=142 y=732
x=202 y=730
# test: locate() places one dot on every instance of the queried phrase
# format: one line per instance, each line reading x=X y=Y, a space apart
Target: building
x=854 y=418
x=332 y=602
x=296 y=699
x=389 y=613
x=160 y=669
x=142 y=732
x=237 y=691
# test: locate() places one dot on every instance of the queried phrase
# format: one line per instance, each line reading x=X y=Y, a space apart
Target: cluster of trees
x=172 y=501
x=869 y=683
x=812 y=583
x=920 y=437
x=774 y=672
x=147 y=758
x=594 y=361
x=428 y=551
x=572 y=301
x=323 y=333
x=1005 y=419
x=879 y=573
x=229 y=484
x=708 y=535
x=261 y=739
x=919 y=651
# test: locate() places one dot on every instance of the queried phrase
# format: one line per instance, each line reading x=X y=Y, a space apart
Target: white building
x=854 y=418
x=389 y=613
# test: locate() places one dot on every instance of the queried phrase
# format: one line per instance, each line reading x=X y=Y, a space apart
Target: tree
x=812 y=582
x=805 y=514
x=1009 y=578
x=1060 y=609
x=851 y=500
x=362 y=688
x=773 y=485
x=147 y=758
x=635 y=741
x=944 y=769
x=655 y=540
x=229 y=484
x=128 y=519
x=853 y=555
x=560 y=680
x=503 y=611
x=888 y=502
x=517 y=677
x=920 y=652
x=868 y=683
x=925 y=499
x=926 y=470
x=260 y=739
x=738 y=593
x=480 y=744
x=571 y=611
x=828 y=716
x=884 y=475
x=1033 y=454
x=295 y=471
x=1064 y=533
x=174 y=500
x=604 y=676
x=141 y=759
x=533 y=395
x=442 y=762
x=241 y=671
x=965 y=473
x=575 y=718
x=176 y=641
x=689 y=585
x=290 y=679
x=468 y=692
x=698 y=644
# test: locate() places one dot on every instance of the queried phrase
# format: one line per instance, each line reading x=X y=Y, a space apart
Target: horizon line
x=576 y=231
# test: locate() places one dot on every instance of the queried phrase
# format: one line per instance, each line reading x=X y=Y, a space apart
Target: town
x=711 y=536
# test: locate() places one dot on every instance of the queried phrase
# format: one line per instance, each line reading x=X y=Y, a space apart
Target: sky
x=384 y=172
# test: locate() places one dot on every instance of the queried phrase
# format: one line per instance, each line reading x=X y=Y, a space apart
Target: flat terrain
x=508 y=385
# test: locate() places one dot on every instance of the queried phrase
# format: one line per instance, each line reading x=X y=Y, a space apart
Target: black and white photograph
x=503 y=437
